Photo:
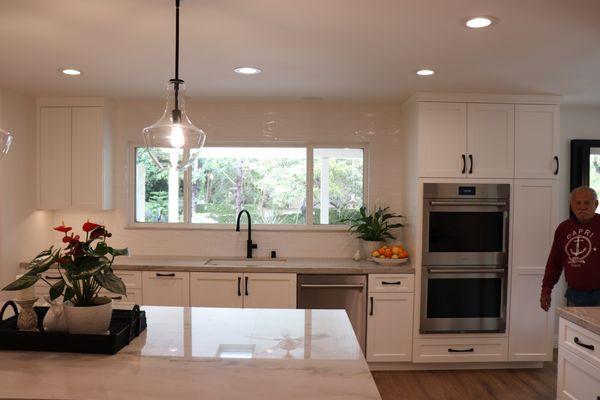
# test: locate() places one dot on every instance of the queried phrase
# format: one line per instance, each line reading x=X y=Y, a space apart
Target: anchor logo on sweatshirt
x=579 y=246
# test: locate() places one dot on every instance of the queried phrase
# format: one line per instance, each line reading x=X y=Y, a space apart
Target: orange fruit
x=375 y=254
x=388 y=253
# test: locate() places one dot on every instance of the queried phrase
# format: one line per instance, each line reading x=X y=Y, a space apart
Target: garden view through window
x=272 y=183
x=595 y=169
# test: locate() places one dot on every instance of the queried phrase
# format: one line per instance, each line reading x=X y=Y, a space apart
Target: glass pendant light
x=6 y=139
x=174 y=130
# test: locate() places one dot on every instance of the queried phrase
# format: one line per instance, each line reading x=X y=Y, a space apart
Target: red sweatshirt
x=576 y=248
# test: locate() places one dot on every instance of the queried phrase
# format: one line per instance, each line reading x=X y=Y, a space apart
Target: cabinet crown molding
x=485 y=98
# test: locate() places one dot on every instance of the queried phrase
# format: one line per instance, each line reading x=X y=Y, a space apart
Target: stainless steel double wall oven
x=465 y=257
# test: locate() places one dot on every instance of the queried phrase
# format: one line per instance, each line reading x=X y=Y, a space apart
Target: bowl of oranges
x=390 y=255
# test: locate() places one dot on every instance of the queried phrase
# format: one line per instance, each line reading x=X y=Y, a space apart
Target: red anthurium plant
x=84 y=266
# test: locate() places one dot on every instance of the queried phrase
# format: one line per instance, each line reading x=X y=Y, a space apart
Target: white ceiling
x=349 y=50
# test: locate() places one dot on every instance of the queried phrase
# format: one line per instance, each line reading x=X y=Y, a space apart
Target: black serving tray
x=125 y=325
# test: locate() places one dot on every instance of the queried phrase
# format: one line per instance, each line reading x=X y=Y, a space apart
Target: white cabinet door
x=165 y=288
x=536 y=141
x=442 y=131
x=265 y=290
x=535 y=218
x=389 y=327
x=54 y=151
x=86 y=155
x=216 y=289
x=577 y=378
x=490 y=140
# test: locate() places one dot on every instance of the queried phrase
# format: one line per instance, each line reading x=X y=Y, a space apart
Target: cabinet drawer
x=166 y=288
x=450 y=350
x=131 y=279
x=134 y=296
x=577 y=378
x=580 y=341
x=391 y=283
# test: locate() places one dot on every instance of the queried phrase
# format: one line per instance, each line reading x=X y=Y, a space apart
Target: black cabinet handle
x=171 y=274
x=52 y=278
x=464 y=168
x=117 y=297
x=246 y=285
x=471 y=350
x=557 y=165
x=470 y=163
x=239 y=285
x=371 y=312
x=579 y=343
x=391 y=283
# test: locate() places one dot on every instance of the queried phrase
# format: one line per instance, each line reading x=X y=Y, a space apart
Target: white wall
x=301 y=122
x=23 y=230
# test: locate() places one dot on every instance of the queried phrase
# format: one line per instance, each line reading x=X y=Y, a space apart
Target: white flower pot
x=369 y=247
x=92 y=320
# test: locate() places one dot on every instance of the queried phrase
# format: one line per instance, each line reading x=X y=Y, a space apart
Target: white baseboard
x=408 y=366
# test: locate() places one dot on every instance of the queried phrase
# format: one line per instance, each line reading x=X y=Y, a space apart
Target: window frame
x=187 y=196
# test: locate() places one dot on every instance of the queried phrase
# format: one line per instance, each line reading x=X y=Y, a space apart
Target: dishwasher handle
x=330 y=286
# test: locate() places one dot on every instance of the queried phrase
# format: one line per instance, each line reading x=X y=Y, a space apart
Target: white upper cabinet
x=75 y=154
x=54 y=154
x=490 y=140
x=536 y=147
x=459 y=140
x=443 y=139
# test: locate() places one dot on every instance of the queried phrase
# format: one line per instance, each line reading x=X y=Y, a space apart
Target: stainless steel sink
x=248 y=262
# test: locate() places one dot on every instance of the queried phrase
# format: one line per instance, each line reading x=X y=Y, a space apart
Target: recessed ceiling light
x=479 y=22
x=247 y=70
x=70 y=71
x=425 y=72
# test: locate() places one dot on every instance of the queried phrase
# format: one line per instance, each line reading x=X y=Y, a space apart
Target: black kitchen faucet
x=249 y=244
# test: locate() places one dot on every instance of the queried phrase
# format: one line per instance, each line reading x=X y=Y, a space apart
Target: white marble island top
x=206 y=353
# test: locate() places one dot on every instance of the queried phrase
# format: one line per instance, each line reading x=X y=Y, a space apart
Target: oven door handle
x=466 y=270
x=468 y=203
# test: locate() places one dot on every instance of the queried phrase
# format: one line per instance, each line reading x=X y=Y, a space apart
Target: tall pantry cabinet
x=74 y=152
x=491 y=138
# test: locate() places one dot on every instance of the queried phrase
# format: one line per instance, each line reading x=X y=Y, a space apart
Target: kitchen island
x=206 y=353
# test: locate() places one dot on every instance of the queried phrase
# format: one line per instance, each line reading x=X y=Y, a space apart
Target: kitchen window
x=280 y=186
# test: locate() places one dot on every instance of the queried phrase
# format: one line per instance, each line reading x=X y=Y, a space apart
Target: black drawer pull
x=246 y=286
x=587 y=346
x=464 y=160
x=171 y=274
x=52 y=278
x=557 y=165
x=471 y=350
x=471 y=164
x=391 y=283
x=117 y=297
x=371 y=313
x=239 y=285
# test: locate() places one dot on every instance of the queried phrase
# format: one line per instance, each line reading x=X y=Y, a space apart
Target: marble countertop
x=586 y=317
x=207 y=353
x=294 y=265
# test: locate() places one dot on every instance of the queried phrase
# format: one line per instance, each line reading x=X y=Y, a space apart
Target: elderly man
x=576 y=248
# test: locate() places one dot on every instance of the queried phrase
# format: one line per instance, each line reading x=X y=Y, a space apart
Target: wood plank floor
x=509 y=384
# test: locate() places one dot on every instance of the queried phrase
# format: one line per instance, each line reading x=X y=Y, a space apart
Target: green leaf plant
x=85 y=267
x=374 y=226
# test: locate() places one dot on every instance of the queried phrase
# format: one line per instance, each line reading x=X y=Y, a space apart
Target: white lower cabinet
x=251 y=290
x=264 y=290
x=578 y=362
x=216 y=289
x=166 y=288
x=390 y=317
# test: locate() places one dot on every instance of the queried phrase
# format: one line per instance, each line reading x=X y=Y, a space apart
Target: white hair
x=584 y=189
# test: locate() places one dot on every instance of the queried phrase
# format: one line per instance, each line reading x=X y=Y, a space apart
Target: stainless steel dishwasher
x=329 y=292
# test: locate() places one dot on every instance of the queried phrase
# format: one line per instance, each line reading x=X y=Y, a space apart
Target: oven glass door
x=464 y=300
x=465 y=234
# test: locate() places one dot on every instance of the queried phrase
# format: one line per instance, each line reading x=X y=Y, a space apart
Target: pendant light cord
x=176 y=81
